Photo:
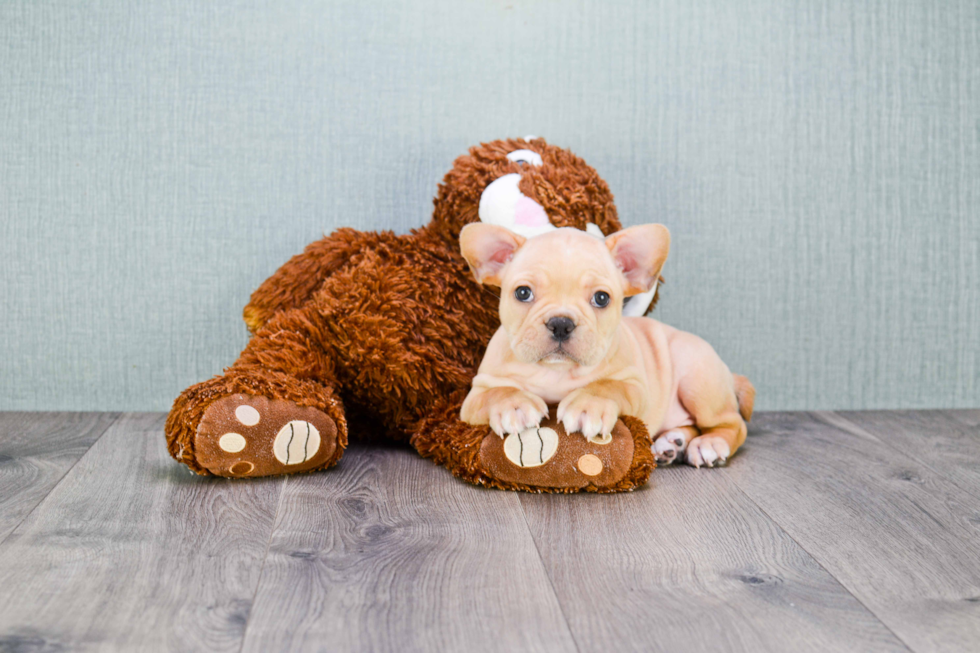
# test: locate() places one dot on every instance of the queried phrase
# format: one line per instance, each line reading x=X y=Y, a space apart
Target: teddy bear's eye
x=523 y=294
x=600 y=299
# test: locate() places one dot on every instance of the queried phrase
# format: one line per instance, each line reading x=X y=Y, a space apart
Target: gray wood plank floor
x=36 y=451
x=828 y=532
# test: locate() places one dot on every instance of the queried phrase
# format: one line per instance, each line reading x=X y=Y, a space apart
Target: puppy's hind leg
x=722 y=429
x=707 y=391
x=671 y=445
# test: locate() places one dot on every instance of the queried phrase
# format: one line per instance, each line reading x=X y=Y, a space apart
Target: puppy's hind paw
x=708 y=450
x=671 y=445
x=664 y=451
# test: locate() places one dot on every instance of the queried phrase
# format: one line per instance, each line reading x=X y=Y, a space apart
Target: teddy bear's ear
x=488 y=248
x=640 y=252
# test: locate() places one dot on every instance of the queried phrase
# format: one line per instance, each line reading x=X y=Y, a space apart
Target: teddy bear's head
x=529 y=187
x=525 y=185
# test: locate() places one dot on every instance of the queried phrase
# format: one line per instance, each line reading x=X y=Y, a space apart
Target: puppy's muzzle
x=561 y=328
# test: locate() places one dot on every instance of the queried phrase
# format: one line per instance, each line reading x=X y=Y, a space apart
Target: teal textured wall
x=817 y=162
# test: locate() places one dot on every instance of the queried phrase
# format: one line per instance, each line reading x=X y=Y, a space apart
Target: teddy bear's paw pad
x=547 y=457
x=244 y=435
x=532 y=447
x=296 y=442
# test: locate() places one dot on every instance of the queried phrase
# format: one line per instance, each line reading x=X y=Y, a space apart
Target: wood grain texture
x=36 y=450
x=690 y=564
x=949 y=446
x=827 y=533
x=902 y=538
x=390 y=553
x=968 y=417
x=131 y=552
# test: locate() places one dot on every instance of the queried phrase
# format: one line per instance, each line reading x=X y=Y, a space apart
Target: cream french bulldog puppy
x=563 y=340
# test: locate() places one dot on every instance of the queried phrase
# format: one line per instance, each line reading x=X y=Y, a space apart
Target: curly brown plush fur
x=391 y=328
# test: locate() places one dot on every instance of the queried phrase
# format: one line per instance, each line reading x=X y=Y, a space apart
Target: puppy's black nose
x=561 y=328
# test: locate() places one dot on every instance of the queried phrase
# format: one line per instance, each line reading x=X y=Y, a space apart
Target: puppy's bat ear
x=488 y=248
x=640 y=252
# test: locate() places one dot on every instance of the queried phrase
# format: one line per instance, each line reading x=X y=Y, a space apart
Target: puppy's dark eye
x=600 y=299
x=523 y=294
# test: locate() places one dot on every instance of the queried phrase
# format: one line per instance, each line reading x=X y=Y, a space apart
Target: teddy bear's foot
x=542 y=459
x=244 y=435
x=547 y=458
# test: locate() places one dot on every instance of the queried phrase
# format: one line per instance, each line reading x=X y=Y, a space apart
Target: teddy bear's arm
x=294 y=283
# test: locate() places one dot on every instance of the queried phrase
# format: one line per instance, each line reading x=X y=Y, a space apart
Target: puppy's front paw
x=516 y=411
x=708 y=450
x=594 y=416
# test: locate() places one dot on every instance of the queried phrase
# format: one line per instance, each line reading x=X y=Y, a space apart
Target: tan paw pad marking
x=247 y=415
x=590 y=465
x=296 y=442
x=242 y=468
x=232 y=442
x=602 y=438
x=531 y=447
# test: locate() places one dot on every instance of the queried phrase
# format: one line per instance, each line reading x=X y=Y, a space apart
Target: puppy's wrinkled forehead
x=566 y=253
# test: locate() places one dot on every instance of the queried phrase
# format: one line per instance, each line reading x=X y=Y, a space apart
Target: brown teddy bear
x=373 y=332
